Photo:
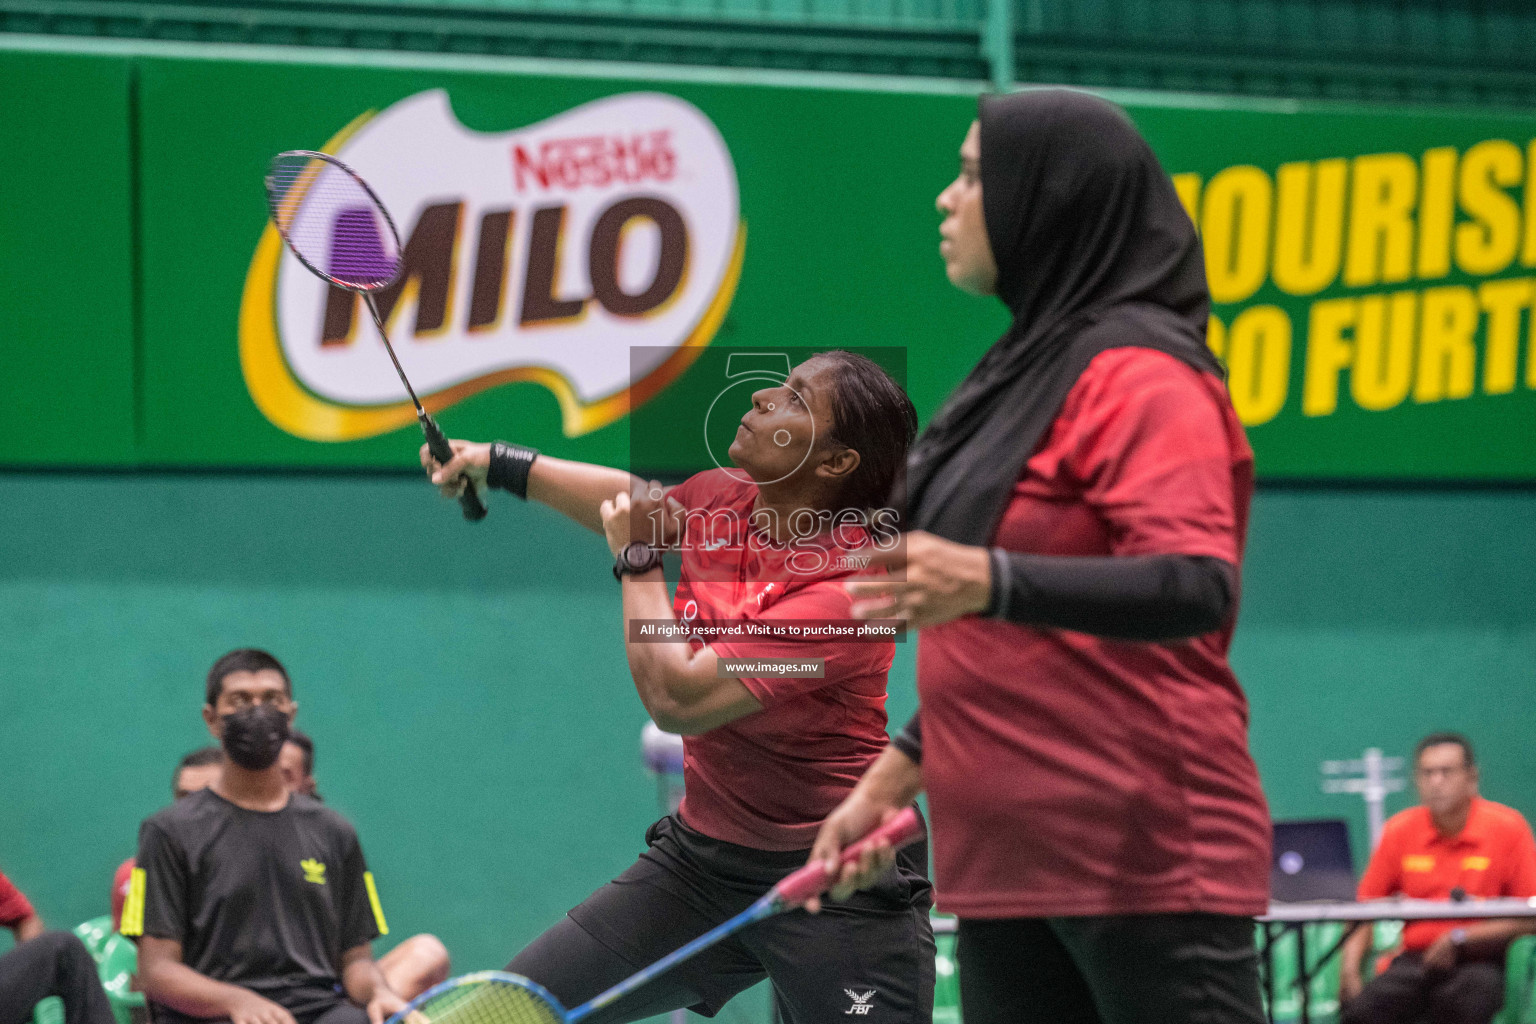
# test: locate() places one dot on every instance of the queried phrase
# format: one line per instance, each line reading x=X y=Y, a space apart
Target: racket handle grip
x=814 y=879
x=442 y=451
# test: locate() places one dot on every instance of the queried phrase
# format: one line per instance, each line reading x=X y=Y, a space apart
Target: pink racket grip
x=814 y=879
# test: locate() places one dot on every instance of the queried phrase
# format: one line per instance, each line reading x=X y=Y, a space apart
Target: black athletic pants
x=869 y=958
x=52 y=964
x=1132 y=969
x=1405 y=992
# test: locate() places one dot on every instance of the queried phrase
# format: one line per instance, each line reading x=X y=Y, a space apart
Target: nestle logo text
x=595 y=160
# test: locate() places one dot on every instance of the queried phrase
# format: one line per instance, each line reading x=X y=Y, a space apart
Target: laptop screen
x=1312 y=861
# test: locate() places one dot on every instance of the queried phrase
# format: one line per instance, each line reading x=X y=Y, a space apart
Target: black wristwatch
x=634 y=558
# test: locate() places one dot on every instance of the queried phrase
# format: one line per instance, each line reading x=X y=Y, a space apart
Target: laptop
x=1312 y=862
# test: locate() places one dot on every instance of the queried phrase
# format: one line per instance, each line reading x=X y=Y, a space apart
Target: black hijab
x=1093 y=251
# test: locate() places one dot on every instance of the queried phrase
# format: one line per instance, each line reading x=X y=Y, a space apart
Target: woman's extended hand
x=932 y=581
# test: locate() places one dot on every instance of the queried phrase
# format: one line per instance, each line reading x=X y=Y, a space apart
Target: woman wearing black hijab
x=1078 y=510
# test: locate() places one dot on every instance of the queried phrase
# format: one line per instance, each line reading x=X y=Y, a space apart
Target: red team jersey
x=766 y=780
x=1069 y=774
x=1493 y=855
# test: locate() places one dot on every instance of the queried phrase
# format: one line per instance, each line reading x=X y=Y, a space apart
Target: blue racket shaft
x=496 y=997
x=766 y=906
x=811 y=880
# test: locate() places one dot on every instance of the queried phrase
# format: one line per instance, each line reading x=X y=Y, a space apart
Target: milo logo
x=548 y=254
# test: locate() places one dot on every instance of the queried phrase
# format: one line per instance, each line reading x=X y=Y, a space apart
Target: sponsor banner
x=1373 y=270
x=619 y=218
x=572 y=247
x=1373 y=275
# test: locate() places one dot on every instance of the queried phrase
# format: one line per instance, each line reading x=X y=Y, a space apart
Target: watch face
x=638 y=555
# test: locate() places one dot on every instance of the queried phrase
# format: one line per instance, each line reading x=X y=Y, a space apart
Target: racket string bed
x=491 y=1002
x=333 y=222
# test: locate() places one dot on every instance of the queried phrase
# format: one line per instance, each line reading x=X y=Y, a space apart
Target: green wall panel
x=835 y=191
x=1371 y=618
x=834 y=257
x=837 y=254
x=66 y=262
x=470 y=701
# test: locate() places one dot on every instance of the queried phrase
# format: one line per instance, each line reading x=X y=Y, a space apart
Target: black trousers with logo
x=867 y=958
x=1130 y=969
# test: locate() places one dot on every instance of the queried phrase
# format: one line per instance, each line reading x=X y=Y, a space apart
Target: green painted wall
x=1374 y=617
x=471 y=704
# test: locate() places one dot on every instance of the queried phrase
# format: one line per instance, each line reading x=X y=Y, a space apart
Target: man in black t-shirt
x=416 y=963
x=251 y=904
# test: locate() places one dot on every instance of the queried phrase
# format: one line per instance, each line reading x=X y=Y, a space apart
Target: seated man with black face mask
x=252 y=904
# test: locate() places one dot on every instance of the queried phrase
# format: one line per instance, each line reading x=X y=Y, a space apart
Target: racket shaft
x=378 y=322
x=437 y=443
x=766 y=906
x=793 y=891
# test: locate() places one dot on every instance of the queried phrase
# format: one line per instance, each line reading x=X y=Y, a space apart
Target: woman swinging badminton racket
x=1078 y=510
x=766 y=758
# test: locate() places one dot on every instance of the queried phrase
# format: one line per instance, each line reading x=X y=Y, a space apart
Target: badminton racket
x=496 y=997
x=337 y=227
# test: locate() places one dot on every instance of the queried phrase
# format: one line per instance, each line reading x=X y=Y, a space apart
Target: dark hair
x=197 y=759
x=1439 y=739
x=245 y=659
x=872 y=415
x=304 y=743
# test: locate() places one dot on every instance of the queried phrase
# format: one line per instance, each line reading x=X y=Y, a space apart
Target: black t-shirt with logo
x=268 y=900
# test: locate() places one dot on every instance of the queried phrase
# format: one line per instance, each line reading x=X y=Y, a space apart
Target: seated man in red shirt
x=1450 y=972
x=45 y=964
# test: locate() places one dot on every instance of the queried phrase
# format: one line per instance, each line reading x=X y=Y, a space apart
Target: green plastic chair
x=1519 y=983
x=117 y=958
x=1519 y=973
x=1323 y=989
x=946 y=981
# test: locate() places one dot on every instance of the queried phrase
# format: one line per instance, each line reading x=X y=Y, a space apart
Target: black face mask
x=254 y=736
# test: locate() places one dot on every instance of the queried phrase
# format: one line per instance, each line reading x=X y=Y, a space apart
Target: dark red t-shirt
x=766 y=780
x=1072 y=775
x=14 y=907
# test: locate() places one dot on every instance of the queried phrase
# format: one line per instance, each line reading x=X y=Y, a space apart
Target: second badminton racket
x=339 y=229
x=496 y=997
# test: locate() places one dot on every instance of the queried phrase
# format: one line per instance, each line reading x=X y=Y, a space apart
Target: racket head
x=333 y=221
x=485 y=997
